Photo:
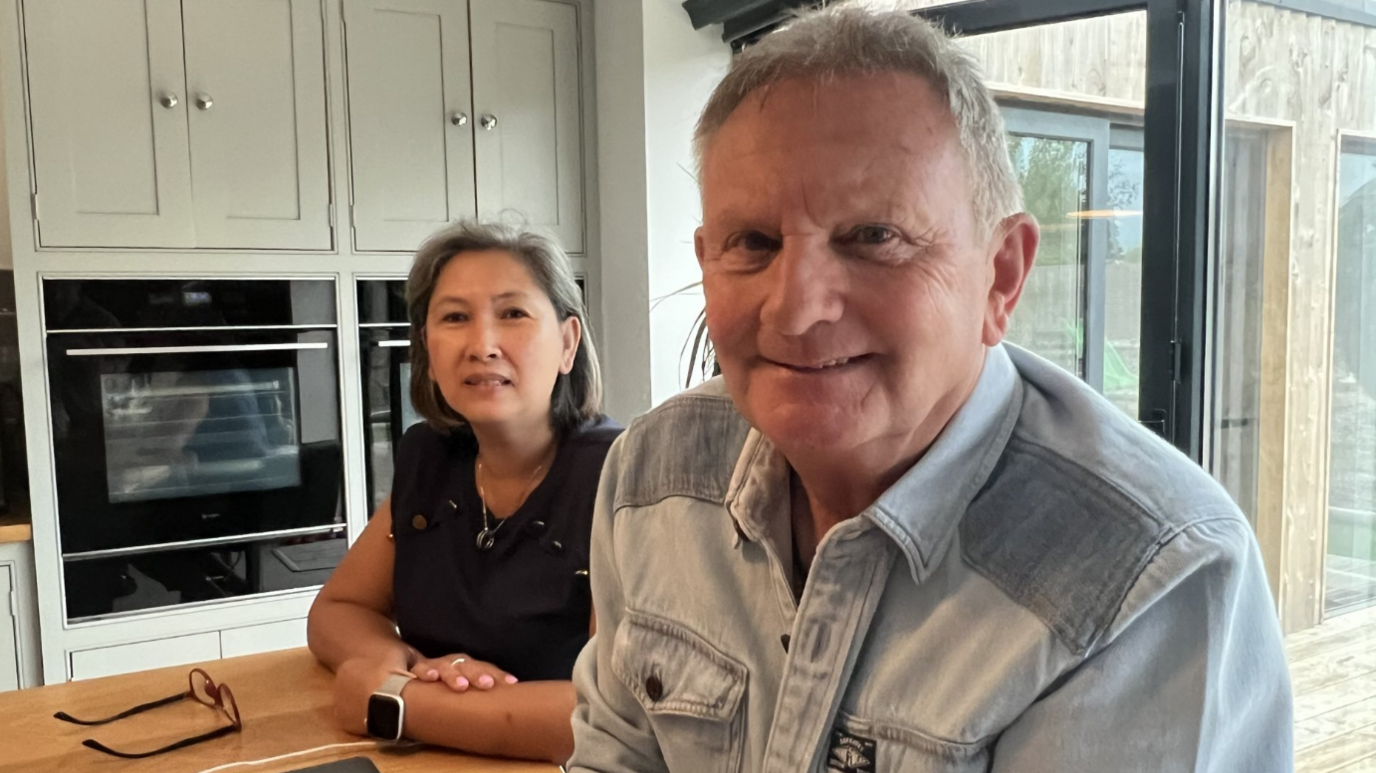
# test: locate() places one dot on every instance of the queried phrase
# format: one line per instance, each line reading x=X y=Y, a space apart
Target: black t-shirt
x=524 y=605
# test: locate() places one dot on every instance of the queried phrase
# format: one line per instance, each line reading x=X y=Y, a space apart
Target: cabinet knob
x=488 y=122
x=204 y=102
x=168 y=100
x=459 y=119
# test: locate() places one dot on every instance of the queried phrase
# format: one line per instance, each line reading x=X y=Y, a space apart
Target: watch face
x=384 y=717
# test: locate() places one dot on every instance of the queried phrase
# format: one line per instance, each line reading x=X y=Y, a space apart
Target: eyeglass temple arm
x=142 y=707
x=100 y=747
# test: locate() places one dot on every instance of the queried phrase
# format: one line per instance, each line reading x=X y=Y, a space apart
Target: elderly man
x=885 y=541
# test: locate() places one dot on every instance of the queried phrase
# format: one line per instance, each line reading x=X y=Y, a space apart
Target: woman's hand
x=460 y=672
x=354 y=682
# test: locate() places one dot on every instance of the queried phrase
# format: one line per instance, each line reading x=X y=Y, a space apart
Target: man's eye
x=754 y=241
x=872 y=234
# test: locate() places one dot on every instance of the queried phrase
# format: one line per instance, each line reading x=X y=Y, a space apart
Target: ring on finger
x=458 y=660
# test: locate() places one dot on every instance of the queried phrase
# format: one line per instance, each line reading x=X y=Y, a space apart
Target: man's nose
x=805 y=284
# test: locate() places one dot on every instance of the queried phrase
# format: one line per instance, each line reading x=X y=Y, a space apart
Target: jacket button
x=653 y=687
x=418 y=522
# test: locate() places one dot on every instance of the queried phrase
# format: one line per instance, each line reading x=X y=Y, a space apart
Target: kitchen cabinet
x=268 y=637
x=527 y=143
x=142 y=656
x=461 y=109
x=167 y=123
x=177 y=650
x=109 y=126
x=255 y=83
x=9 y=632
x=410 y=132
x=19 y=647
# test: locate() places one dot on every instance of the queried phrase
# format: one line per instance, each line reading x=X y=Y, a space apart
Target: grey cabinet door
x=528 y=141
x=410 y=119
x=255 y=103
x=108 y=112
x=9 y=633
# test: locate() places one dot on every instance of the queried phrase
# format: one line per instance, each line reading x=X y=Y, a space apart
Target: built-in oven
x=385 y=354
x=196 y=439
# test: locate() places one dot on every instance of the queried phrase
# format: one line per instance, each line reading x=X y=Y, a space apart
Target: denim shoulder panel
x=1059 y=540
x=687 y=447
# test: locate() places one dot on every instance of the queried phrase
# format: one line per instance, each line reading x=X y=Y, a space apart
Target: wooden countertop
x=284 y=698
x=16 y=526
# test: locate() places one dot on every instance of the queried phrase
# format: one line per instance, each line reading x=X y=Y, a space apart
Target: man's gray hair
x=850 y=40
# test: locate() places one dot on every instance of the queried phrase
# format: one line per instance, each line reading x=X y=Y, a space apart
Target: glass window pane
x=1350 y=570
x=1055 y=181
x=1238 y=321
x=1123 y=277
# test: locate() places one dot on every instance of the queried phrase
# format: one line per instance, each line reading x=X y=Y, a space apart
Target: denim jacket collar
x=921 y=510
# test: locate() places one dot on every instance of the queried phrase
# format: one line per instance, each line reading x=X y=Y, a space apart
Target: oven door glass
x=388 y=412
x=176 y=434
x=409 y=416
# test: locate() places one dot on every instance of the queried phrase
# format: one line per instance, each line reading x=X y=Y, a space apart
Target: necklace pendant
x=486 y=539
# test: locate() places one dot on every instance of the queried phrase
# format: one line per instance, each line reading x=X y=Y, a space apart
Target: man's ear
x=1014 y=246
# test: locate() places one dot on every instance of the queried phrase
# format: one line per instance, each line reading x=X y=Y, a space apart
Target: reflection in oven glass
x=409 y=416
x=195 y=433
x=382 y=434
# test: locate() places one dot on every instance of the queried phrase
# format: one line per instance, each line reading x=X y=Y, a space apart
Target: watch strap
x=393 y=684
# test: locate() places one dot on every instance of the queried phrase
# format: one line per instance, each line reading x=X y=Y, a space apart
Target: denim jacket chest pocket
x=692 y=693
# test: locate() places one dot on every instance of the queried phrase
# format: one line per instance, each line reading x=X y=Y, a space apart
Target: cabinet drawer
x=142 y=656
x=253 y=639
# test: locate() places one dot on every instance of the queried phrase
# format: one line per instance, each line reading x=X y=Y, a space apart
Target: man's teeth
x=833 y=363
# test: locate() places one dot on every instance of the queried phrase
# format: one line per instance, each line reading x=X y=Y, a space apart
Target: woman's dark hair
x=577 y=396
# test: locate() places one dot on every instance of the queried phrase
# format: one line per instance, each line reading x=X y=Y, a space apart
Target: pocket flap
x=673 y=670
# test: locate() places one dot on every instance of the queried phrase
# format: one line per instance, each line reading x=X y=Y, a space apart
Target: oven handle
x=111 y=352
x=392 y=344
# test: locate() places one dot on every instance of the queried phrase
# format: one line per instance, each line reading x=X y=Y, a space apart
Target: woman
x=472 y=577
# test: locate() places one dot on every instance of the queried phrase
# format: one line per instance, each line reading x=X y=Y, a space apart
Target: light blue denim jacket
x=1051 y=588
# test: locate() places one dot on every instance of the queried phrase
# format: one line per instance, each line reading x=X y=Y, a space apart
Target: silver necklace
x=488 y=536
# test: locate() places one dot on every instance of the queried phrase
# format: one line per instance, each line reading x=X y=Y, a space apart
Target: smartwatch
x=386 y=709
